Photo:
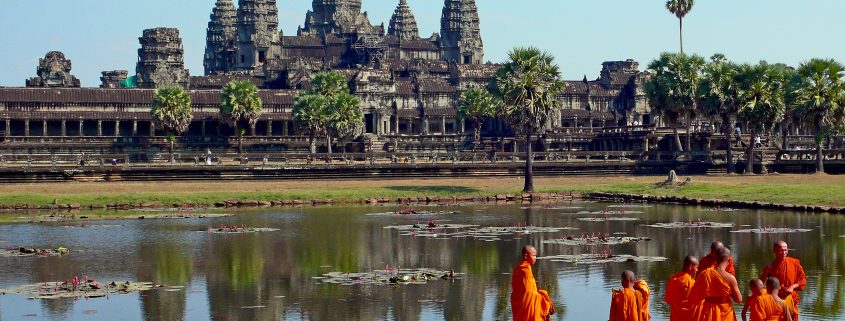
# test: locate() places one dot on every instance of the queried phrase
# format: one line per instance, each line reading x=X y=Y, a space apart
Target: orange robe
x=791 y=307
x=626 y=305
x=712 y=261
x=789 y=271
x=677 y=296
x=765 y=308
x=528 y=303
x=711 y=296
x=643 y=298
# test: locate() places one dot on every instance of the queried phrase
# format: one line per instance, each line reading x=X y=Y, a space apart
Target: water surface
x=270 y=276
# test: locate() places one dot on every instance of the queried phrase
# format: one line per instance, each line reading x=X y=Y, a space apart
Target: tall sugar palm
x=720 y=100
x=528 y=85
x=680 y=8
x=309 y=113
x=171 y=111
x=240 y=102
x=673 y=90
x=328 y=108
x=477 y=105
x=821 y=100
x=345 y=117
x=761 y=102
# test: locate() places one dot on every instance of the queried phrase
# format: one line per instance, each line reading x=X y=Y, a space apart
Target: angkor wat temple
x=408 y=84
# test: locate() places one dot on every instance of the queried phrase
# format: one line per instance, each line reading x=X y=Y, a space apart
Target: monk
x=678 y=289
x=773 y=287
x=757 y=289
x=631 y=302
x=766 y=305
x=713 y=290
x=713 y=258
x=790 y=273
x=528 y=303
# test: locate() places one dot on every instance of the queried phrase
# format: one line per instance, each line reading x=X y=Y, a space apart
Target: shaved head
x=781 y=250
x=691 y=265
x=756 y=286
x=529 y=254
x=629 y=276
x=772 y=283
x=715 y=246
x=528 y=249
x=724 y=255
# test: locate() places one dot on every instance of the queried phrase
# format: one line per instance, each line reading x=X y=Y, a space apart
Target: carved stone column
x=116 y=128
x=425 y=126
x=81 y=127
x=64 y=128
x=269 y=127
x=134 y=128
x=252 y=129
x=202 y=128
x=395 y=124
x=8 y=128
x=99 y=128
x=44 y=128
x=26 y=128
x=443 y=125
x=152 y=129
x=285 y=128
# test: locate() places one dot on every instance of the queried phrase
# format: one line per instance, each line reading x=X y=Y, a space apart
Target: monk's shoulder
x=793 y=261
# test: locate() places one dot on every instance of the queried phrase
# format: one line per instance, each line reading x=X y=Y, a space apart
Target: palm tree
x=239 y=102
x=761 y=102
x=673 y=90
x=345 y=117
x=528 y=85
x=720 y=99
x=821 y=100
x=171 y=111
x=477 y=105
x=680 y=8
x=309 y=113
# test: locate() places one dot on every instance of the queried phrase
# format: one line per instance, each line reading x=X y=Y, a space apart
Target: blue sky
x=102 y=35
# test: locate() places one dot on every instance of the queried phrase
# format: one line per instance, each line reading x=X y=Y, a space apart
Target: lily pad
x=602 y=258
x=630 y=206
x=446 y=231
x=92 y=226
x=172 y=216
x=58 y=290
x=240 y=230
x=587 y=241
x=696 y=224
x=611 y=212
x=26 y=252
x=391 y=277
x=413 y=213
x=727 y=210
x=773 y=230
x=608 y=219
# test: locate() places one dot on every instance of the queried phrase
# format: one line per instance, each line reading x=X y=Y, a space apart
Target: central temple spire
x=460 y=30
x=403 y=24
x=337 y=17
x=259 y=38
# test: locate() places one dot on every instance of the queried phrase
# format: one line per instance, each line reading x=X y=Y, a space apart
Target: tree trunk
x=727 y=127
x=682 y=34
x=678 y=144
x=819 y=148
x=312 y=140
x=477 y=133
x=689 y=138
x=172 y=138
x=749 y=155
x=329 y=143
x=529 y=164
x=240 y=140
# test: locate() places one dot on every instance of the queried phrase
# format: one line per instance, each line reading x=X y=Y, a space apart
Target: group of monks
x=702 y=291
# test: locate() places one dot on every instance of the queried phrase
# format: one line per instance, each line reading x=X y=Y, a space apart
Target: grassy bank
x=791 y=189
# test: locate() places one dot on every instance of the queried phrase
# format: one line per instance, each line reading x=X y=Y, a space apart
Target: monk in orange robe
x=712 y=259
x=773 y=287
x=765 y=305
x=757 y=289
x=528 y=303
x=713 y=290
x=790 y=273
x=678 y=289
x=631 y=302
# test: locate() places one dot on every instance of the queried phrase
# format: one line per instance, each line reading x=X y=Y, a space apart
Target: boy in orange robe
x=765 y=305
x=528 y=303
x=678 y=289
x=631 y=302
x=713 y=290
x=790 y=273
x=712 y=259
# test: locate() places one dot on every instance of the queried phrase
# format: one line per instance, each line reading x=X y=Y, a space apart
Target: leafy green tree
x=720 y=99
x=680 y=8
x=820 y=100
x=528 y=85
x=327 y=108
x=761 y=102
x=171 y=111
x=240 y=102
x=673 y=90
x=477 y=105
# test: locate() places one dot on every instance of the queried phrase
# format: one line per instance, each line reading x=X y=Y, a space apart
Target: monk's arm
x=735 y=293
x=786 y=311
x=745 y=311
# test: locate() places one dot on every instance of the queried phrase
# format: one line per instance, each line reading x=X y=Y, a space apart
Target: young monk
x=712 y=259
x=678 y=289
x=631 y=302
x=713 y=290
x=763 y=305
x=790 y=273
x=773 y=287
x=527 y=302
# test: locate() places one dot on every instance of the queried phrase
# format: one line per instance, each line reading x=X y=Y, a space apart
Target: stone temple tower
x=161 y=59
x=259 y=37
x=336 y=17
x=460 y=31
x=403 y=24
x=221 y=39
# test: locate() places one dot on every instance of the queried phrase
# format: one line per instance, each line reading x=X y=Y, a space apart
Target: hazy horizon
x=103 y=35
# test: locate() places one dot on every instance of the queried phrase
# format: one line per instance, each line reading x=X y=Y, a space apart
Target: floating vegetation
x=232 y=229
x=611 y=212
x=630 y=206
x=389 y=277
x=93 y=226
x=182 y=216
x=608 y=219
x=773 y=230
x=78 y=288
x=602 y=258
x=696 y=224
x=597 y=240
x=446 y=231
x=25 y=251
x=412 y=212
x=718 y=209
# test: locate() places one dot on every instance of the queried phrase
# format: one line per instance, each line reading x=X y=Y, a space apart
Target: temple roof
x=403 y=24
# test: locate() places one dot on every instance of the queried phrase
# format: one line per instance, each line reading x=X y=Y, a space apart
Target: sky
x=102 y=35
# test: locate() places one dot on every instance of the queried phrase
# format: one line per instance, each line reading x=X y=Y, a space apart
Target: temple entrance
x=369 y=122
